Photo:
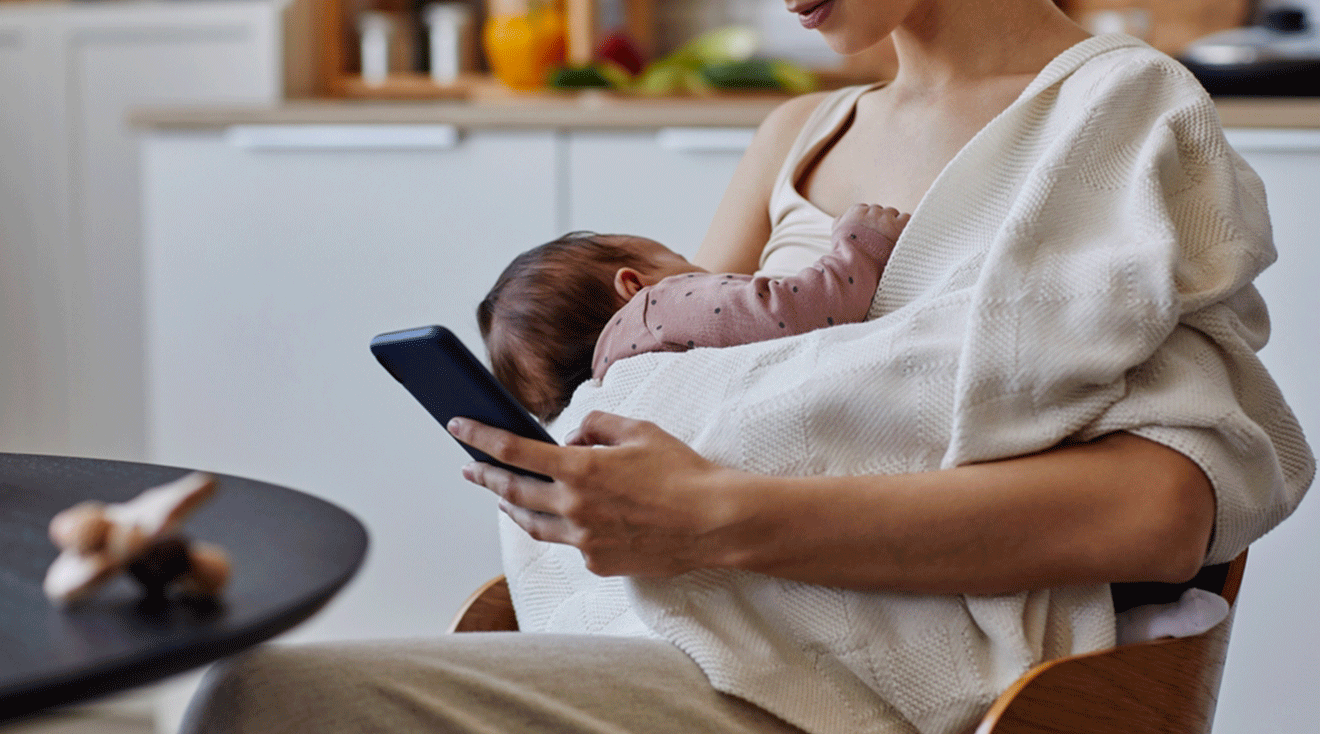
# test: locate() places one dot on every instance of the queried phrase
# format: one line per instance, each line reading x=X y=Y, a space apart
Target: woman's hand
x=632 y=498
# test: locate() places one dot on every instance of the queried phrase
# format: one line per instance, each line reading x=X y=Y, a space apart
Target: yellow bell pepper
x=522 y=49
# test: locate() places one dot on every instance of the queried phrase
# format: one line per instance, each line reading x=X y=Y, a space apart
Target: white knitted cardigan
x=1083 y=266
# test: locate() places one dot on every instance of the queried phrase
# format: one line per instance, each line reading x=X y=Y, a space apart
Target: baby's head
x=544 y=314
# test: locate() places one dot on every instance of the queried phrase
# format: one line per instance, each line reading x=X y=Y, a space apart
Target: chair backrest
x=488 y=609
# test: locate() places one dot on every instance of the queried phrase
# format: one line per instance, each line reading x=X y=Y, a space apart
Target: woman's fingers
x=605 y=429
x=514 y=489
x=540 y=525
x=527 y=453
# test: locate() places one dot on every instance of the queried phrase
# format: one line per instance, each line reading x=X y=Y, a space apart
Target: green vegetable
x=618 y=76
x=793 y=78
x=753 y=74
x=768 y=74
x=733 y=43
x=665 y=78
x=579 y=77
x=721 y=59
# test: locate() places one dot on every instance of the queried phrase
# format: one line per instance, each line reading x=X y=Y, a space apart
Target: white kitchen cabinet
x=1271 y=676
x=661 y=184
x=70 y=273
x=273 y=255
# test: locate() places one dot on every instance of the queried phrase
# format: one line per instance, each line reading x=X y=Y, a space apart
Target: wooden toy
x=99 y=540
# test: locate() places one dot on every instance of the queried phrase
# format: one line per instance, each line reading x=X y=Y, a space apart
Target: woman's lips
x=814 y=14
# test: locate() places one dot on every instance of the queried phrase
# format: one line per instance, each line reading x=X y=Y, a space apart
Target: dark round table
x=291 y=553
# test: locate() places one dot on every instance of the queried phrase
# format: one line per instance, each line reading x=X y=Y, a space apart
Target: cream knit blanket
x=1083 y=266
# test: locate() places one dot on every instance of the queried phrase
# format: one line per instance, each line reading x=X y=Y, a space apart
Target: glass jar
x=523 y=41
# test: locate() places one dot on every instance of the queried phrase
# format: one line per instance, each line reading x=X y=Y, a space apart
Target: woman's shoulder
x=781 y=129
x=796 y=111
x=1135 y=93
x=1133 y=74
x=789 y=118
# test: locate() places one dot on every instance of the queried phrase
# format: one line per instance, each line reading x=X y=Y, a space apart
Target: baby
x=565 y=311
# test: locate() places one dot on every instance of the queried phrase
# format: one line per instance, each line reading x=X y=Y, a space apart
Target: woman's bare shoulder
x=781 y=127
x=794 y=112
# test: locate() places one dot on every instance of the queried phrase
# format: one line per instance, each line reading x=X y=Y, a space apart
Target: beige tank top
x=800 y=233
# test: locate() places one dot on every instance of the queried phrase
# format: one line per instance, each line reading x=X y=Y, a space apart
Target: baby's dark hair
x=543 y=316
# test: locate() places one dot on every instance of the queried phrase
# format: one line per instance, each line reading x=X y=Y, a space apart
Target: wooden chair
x=1165 y=686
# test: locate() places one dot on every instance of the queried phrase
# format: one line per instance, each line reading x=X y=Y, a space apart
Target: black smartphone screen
x=449 y=380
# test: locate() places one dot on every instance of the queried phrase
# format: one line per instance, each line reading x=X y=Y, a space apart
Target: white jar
x=453 y=45
x=387 y=44
x=376 y=31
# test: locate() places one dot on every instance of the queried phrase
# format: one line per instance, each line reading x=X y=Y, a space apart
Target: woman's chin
x=848 y=39
x=845 y=46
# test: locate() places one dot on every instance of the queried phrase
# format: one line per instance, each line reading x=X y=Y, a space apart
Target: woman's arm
x=636 y=501
x=741 y=225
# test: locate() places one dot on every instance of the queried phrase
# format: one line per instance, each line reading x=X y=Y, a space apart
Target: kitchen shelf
x=338 y=66
x=337 y=75
x=415 y=86
x=1174 y=23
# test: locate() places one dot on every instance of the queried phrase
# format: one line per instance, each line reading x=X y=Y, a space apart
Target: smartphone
x=448 y=380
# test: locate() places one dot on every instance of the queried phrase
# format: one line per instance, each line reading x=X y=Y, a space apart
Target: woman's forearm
x=636 y=501
x=1117 y=509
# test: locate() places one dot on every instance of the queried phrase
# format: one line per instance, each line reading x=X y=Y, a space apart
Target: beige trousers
x=471 y=682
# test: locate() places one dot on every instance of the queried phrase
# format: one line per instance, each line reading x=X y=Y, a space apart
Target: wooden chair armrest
x=488 y=609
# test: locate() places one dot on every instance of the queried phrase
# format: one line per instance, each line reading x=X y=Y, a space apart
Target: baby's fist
x=885 y=220
x=871 y=228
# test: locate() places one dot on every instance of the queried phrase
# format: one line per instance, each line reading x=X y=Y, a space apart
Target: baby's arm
x=724 y=310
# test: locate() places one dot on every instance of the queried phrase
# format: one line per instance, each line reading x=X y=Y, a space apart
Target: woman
x=1057 y=391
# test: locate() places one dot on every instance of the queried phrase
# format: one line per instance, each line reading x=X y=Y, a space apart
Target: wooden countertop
x=598 y=111
x=1284 y=112
x=580 y=111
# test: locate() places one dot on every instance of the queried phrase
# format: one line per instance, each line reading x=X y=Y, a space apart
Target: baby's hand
x=868 y=220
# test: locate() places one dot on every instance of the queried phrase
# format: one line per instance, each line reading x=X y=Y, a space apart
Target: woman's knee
x=266 y=689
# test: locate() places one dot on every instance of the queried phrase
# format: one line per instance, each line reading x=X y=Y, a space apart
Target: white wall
x=1272 y=676
x=70 y=265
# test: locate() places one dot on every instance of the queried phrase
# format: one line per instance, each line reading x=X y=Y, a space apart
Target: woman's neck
x=945 y=44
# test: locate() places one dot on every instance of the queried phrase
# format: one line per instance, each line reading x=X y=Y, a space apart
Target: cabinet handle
x=342 y=137
x=1274 y=141
x=705 y=139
